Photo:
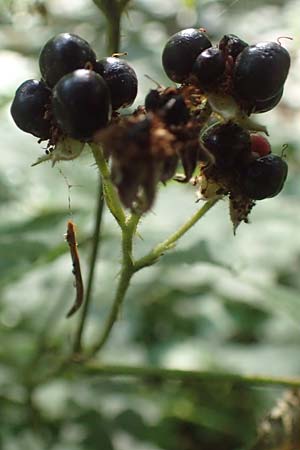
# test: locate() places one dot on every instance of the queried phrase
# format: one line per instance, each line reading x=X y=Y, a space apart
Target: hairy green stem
x=127 y=271
x=169 y=243
x=95 y=368
x=110 y=193
x=92 y=265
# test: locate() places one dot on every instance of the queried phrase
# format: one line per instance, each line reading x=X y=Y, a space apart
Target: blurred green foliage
x=216 y=302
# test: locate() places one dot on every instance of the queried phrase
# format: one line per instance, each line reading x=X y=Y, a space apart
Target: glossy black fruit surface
x=63 y=54
x=261 y=106
x=29 y=107
x=121 y=80
x=227 y=143
x=81 y=104
x=232 y=45
x=209 y=67
x=265 y=177
x=181 y=51
x=260 y=71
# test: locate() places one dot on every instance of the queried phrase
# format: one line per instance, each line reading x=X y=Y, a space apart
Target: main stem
x=127 y=271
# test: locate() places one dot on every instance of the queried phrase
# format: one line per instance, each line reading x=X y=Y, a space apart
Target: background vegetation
x=216 y=303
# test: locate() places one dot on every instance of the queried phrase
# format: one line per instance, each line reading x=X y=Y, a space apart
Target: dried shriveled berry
x=28 y=108
x=264 y=177
x=150 y=157
x=121 y=80
x=181 y=51
x=63 y=54
x=260 y=71
x=209 y=67
x=227 y=143
x=232 y=45
x=81 y=104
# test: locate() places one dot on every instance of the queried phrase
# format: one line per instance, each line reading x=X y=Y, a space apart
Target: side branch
x=169 y=243
x=94 y=368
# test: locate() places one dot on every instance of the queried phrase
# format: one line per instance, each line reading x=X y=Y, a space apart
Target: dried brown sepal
x=214 y=182
x=143 y=152
x=239 y=209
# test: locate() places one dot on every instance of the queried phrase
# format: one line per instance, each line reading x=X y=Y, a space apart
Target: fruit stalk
x=170 y=242
x=110 y=193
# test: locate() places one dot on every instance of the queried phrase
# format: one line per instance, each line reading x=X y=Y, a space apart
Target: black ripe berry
x=261 y=106
x=260 y=71
x=63 y=54
x=181 y=51
x=264 y=177
x=228 y=143
x=175 y=111
x=81 y=104
x=209 y=67
x=121 y=80
x=28 y=108
x=170 y=106
x=153 y=101
x=232 y=45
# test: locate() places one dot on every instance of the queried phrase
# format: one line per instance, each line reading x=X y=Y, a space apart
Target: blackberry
x=121 y=80
x=260 y=71
x=153 y=100
x=170 y=106
x=63 y=54
x=227 y=143
x=81 y=104
x=209 y=67
x=181 y=51
x=232 y=45
x=28 y=108
x=261 y=106
x=264 y=177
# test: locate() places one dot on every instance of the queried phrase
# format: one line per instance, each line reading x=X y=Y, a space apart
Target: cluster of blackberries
x=204 y=122
x=182 y=124
x=77 y=93
x=254 y=75
x=242 y=167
